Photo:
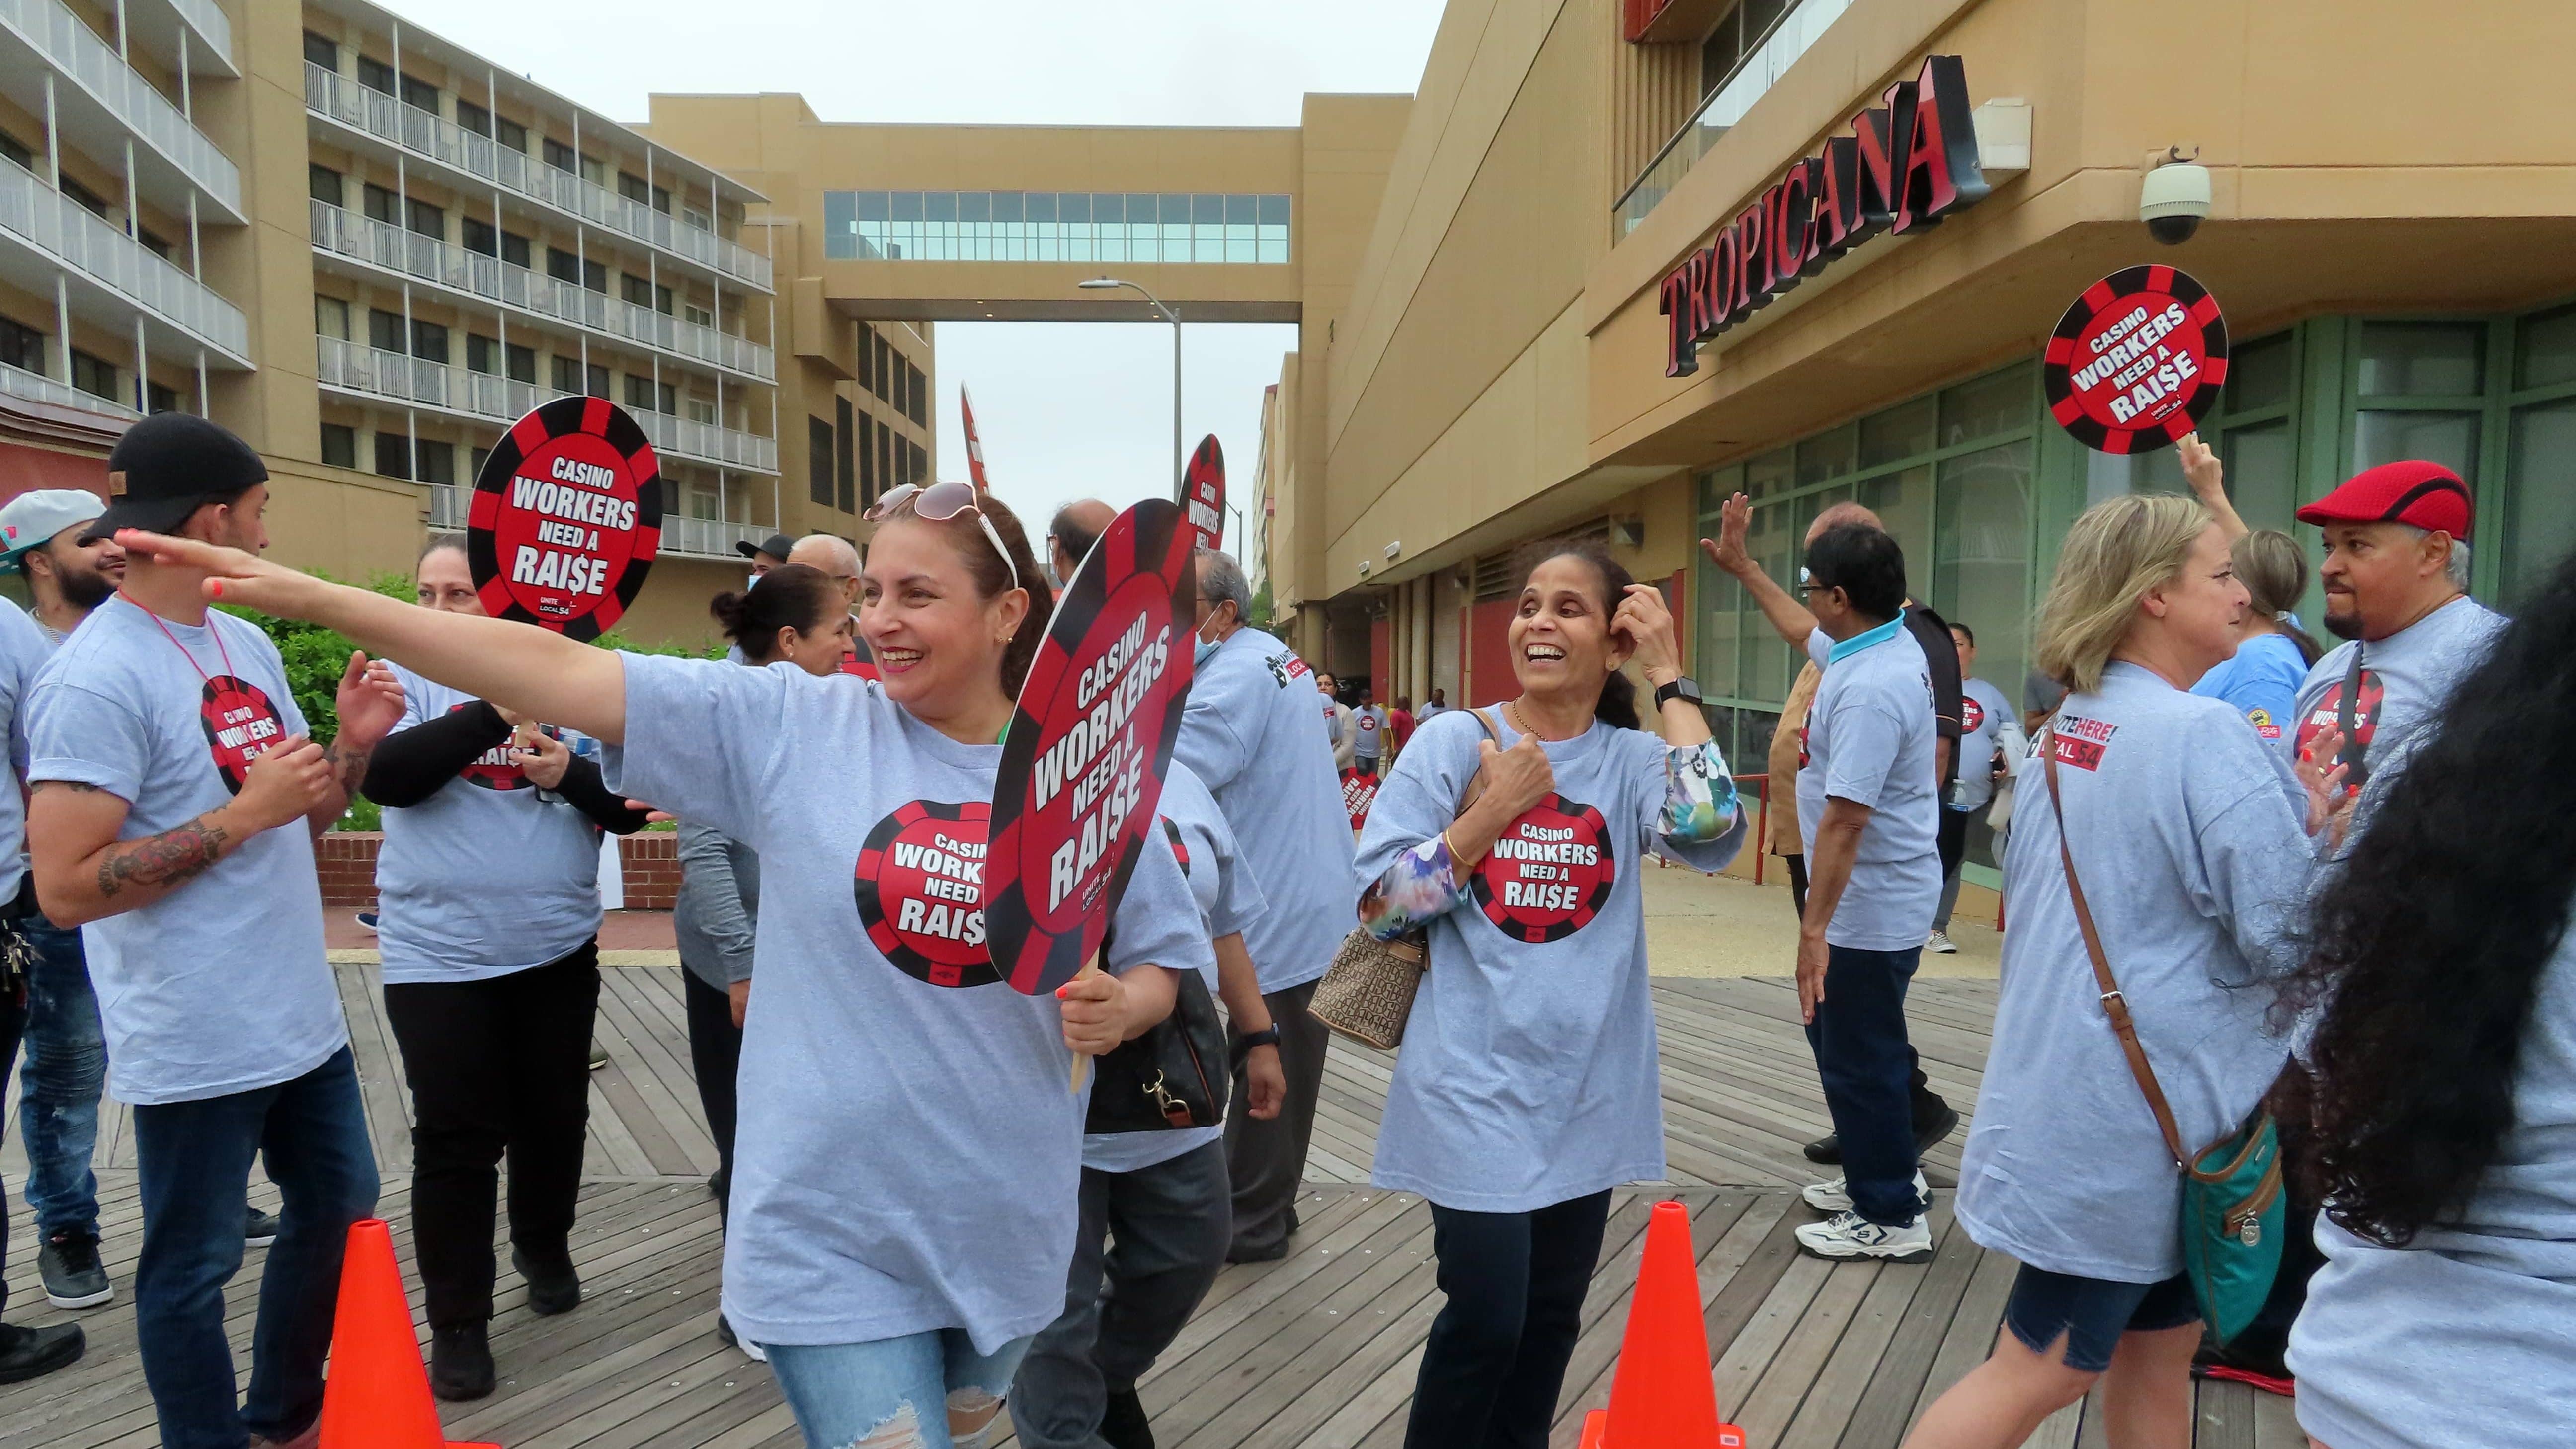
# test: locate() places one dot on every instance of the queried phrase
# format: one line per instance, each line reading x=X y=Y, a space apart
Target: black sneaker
x=598 y=1056
x=367 y=919
x=27 y=1353
x=553 y=1286
x=1123 y=1426
x=460 y=1362
x=1928 y=1134
x=74 y=1278
x=259 y=1229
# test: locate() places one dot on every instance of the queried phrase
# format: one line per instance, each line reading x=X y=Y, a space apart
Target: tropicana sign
x=1905 y=165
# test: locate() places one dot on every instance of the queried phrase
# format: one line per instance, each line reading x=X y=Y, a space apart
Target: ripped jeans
x=873 y=1395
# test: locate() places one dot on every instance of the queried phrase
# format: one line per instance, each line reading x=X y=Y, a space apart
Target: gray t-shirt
x=2188 y=833
x=1528 y=1074
x=2467 y=1334
x=1368 y=722
x=910 y=1145
x=23 y=653
x=482 y=878
x=1869 y=740
x=223 y=985
x=1983 y=714
x=1228 y=900
x=2405 y=678
x=1254 y=735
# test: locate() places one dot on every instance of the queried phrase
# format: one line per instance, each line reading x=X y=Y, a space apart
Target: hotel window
x=845 y=473
x=331 y=318
x=916 y=390
x=322 y=51
x=643 y=293
x=568 y=377
x=1735 y=37
x=93 y=375
x=90 y=201
x=18 y=151
x=339 y=445
x=429 y=220
x=917 y=469
x=393 y=455
x=1049 y=226
x=566 y=266
x=153 y=241
x=471 y=117
x=375 y=75
x=886 y=445
x=645 y=395
x=429 y=342
x=561 y=157
x=692 y=312
x=2539 y=512
x=384 y=330
x=867 y=357
x=160 y=398
x=867 y=450
x=884 y=385
x=818 y=462
x=325 y=185
x=437 y=461
x=382 y=205
x=510 y=133
x=420 y=94
x=480 y=236
x=21 y=346
x=636 y=188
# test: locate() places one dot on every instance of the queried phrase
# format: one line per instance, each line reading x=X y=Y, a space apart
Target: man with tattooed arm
x=175 y=799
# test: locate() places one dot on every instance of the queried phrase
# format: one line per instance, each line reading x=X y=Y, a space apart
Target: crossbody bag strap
x=2347 y=715
x=2114 y=1005
x=1475 y=790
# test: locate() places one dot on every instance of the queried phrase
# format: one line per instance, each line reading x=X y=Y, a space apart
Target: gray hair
x=1222 y=581
x=2457 y=569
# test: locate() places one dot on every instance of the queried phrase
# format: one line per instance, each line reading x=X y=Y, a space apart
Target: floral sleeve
x=1422 y=884
x=1699 y=796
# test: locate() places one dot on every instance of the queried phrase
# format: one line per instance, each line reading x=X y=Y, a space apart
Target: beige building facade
x=2387 y=235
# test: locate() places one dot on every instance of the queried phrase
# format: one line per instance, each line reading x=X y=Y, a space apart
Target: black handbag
x=1172 y=1077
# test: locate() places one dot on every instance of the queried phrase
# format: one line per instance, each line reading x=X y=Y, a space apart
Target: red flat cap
x=2427 y=495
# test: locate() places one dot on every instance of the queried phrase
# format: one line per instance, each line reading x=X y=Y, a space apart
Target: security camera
x=2174 y=199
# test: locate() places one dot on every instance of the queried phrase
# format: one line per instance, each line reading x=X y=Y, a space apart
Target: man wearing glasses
x=1253 y=735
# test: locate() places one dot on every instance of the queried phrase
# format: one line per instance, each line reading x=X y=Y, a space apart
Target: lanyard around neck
x=164 y=627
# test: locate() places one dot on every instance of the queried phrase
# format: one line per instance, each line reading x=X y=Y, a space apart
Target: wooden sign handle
x=1082 y=1060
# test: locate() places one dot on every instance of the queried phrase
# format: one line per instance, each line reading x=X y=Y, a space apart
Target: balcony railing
x=69 y=235
x=448 y=388
x=210 y=24
x=94 y=66
x=449 y=504
x=440 y=263
x=36 y=387
x=328 y=93
x=1757 y=73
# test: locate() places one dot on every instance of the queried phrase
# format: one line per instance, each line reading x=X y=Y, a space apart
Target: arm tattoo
x=348 y=766
x=169 y=858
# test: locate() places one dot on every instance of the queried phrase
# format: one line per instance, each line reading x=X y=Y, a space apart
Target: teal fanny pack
x=2231 y=1195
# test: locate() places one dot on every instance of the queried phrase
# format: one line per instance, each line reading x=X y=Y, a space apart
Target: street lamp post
x=1099 y=284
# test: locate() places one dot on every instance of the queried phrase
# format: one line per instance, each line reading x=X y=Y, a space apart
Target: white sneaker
x=1834 y=1197
x=1939 y=944
x=1849 y=1235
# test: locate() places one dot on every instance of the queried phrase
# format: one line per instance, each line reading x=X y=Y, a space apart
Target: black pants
x=1268 y=1159
x=715 y=1055
x=498 y=1068
x=1797 y=883
x=1495 y=1360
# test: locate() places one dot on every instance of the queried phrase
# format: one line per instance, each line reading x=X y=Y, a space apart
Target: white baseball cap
x=37 y=515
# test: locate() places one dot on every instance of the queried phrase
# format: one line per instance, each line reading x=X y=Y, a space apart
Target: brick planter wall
x=346 y=861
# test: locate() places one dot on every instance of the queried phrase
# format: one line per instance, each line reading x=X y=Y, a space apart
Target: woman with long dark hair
x=2443 y=1132
x=1528 y=1084
x=793 y=615
x=906 y=1165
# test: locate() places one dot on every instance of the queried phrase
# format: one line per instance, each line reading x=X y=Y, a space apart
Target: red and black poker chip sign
x=1082 y=768
x=2137 y=362
x=566 y=518
x=1359 y=792
x=920 y=884
x=241 y=725
x=1549 y=873
x=1203 y=492
x=2327 y=713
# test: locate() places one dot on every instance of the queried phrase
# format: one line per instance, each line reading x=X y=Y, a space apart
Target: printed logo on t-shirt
x=2328 y=712
x=494 y=769
x=920 y=884
x=1287 y=667
x=2263 y=722
x=1549 y=873
x=1180 y=847
x=1359 y=792
x=2082 y=742
x=1972 y=715
x=241 y=725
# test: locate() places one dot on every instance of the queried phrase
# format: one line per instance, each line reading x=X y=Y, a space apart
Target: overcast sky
x=1065 y=409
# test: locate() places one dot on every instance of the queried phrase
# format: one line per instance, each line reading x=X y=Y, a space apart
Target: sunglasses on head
x=939 y=503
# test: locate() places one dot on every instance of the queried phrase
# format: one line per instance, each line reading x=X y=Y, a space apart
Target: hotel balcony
x=113 y=278
x=99 y=100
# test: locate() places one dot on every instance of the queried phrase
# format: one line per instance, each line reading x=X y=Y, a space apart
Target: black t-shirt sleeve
x=1941 y=652
x=410 y=765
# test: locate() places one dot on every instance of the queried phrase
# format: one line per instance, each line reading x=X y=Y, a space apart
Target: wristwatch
x=1682 y=688
x=1244 y=1042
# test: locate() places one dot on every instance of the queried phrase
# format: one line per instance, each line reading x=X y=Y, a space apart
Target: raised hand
x=1648 y=624
x=1727 y=549
x=370 y=702
x=288 y=783
x=232 y=576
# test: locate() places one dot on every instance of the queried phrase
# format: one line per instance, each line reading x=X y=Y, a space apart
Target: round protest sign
x=566 y=518
x=2137 y=362
x=1203 y=492
x=1082 y=767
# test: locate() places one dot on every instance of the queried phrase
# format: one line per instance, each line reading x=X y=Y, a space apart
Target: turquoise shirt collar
x=1859 y=642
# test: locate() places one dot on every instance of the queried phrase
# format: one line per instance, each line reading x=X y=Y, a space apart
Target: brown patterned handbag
x=1368 y=994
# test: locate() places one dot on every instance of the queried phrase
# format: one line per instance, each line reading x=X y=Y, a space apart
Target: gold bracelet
x=1451 y=847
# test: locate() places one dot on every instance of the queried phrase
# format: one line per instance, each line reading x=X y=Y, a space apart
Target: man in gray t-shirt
x=1868 y=806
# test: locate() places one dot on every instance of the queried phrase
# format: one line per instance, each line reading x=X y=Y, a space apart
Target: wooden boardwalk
x=1317 y=1349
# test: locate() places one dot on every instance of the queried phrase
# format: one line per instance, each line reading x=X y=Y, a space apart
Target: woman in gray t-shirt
x=2445 y=1079
x=2190 y=838
x=1527 y=1086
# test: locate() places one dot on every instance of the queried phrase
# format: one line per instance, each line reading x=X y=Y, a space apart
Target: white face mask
x=752 y=583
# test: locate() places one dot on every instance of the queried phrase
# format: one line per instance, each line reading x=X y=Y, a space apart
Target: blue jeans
x=1867 y=1067
x=195 y=1166
x=847 y=1394
x=13 y=1016
x=66 y=1069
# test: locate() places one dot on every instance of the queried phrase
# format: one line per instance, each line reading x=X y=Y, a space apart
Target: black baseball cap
x=777 y=546
x=168 y=466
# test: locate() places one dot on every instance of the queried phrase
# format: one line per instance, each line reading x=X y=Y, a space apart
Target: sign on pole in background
x=974 y=442
x=2137 y=362
x=1359 y=792
x=1082 y=768
x=1203 y=490
x=566 y=518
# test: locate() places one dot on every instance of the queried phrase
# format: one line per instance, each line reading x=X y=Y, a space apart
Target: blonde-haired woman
x=2187 y=835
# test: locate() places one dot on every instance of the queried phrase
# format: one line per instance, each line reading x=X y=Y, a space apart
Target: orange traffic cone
x=378 y=1394
x=1663 y=1396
